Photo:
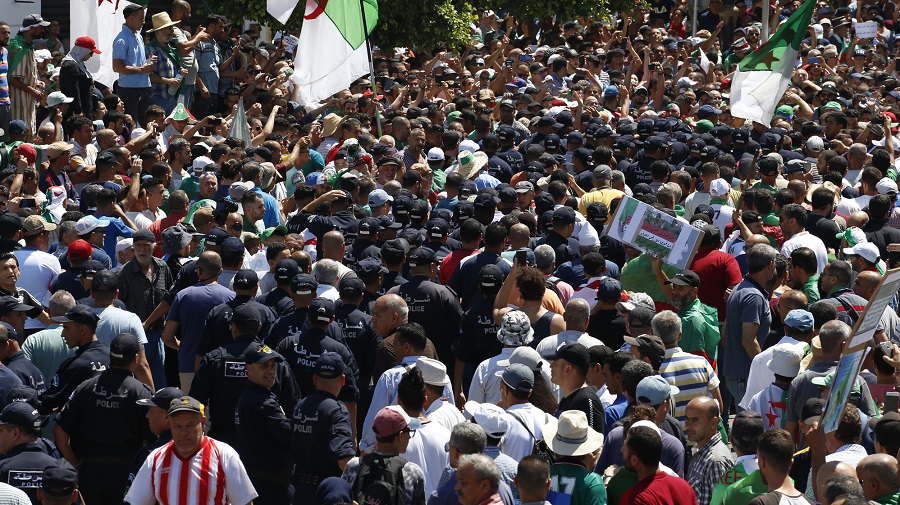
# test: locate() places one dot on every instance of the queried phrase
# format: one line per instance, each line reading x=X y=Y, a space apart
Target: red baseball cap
x=28 y=151
x=87 y=43
x=79 y=250
x=392 y=420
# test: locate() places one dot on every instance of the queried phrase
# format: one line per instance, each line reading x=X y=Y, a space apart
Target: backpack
x=380 y=480
x=539 y=447
x=551 y=285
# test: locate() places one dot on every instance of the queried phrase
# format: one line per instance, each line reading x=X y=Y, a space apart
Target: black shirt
x=302 y=350
x=30 y=375
x=279 y=300
x=825 y=229
x=437 y=309
x=220 y=380
x=585 y=400
x=262 y=431
x=359 y=336
x=89 y=360
x=322 y=435
x=23 y=468
x=611 y=325
x=217 y=332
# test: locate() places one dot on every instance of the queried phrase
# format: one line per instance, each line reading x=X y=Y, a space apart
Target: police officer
x=262 y=428
x=393 y=253
x=217 y=332
x=437 y=238
x=303 y=290
x=432 y=305
x=14 y=359
x=221 y=376
x=25 y=459
x=158 y=419
x=341 y=218
x=364 y=246
x=372 y=272
x=91 y=357
x=101 y=427
x=279 y=299
x=301 y=350
x=322 y=442
x=59 y=484
x=359 y=334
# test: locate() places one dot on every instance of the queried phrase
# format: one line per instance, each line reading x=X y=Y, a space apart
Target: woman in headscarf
x=75 y=80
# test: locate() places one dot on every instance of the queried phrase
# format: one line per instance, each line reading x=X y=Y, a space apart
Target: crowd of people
x=404 y=294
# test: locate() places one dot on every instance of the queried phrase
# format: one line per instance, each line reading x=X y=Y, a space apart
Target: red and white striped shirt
x=212 y=476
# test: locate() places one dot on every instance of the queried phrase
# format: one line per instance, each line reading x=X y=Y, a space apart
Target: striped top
x=212 y=476
x=691 y=374
x=4 y=80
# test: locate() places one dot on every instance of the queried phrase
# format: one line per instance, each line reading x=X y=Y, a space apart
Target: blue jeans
x=156 y=358
x=168 y=103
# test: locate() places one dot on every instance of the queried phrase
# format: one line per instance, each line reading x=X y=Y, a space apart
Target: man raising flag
x=763 y=75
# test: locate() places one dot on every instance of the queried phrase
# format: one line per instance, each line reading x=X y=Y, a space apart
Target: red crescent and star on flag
x=314 y=9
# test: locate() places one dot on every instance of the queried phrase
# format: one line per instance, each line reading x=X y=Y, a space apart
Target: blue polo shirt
x=129 y=47
x=271 y=217
x=114 y=230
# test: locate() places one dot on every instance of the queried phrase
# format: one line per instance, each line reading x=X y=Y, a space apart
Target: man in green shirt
x=577 y=447
x=804 y=276
x=699 y=322
x=878 y=477
x=768 y=172
x=743 y=482
x=254 y=209
x=637 y=276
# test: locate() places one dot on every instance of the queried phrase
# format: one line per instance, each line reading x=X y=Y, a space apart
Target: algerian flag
x=332 y=51
x=180 y=113
x=764 y=75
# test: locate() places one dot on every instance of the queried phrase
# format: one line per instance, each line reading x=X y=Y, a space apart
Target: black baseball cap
x=216 y=236
x=105 y=281
x=124 y=346
x=261 y=354
x=59 y=479
x=330 y=365
x=490 y=277
x=304 y=284
x=574 y=353
x=369 y=268
x=286 y=269
x=421 y=256
x=21 y=414
x=81 y=314
x=685 y=278
x=320 y=310
x=245 y=314
x=12 y=304
x=351 y=286
x=246 y=279
x=162 y=398
x=600 y=354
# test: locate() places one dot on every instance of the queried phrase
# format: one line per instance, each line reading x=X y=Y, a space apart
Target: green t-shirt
x=619 y=484
x=888 y=499
x=191 y=186
x=637 y=275
x=251 y=227
x=731 y=477
x=811 y=288
x=439 y=179
x=700 y=329
x=762 y=185
x=572 y=484
x=744 y=490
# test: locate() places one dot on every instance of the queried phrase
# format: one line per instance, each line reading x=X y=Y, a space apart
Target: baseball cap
x=321 y=309
x=91 y=267
x=162 y=398
x=421 y=256
x=261 y=354
x=81 y=314
x=649 y=345
x=379 y=197
x=685 y=278
x=719 y=187
x=124 y=346
x=636 y=300
x=747 y=426
x=79 y=250
x=799 y=319
x=246 y=279
x=524 y=187
x=866 y=250
x=368 y=268
x=59 y=479
x=518 y=377
x=351 y=286
x=435 y=154
x=600 y=354
x=812 y=409
x=654 y=390
x=574 y=353
x=330 y=365
x=88 y=224
x=35 y=225
x=87 y=43
x=609 y=288
x=391 y=420
x=21 y=414
x=564 y=215
x=186 y=404
x=304 y=284
x=640 y=317
x=286 y=269
x=245 y=314
x=490 y=277
x=490 y=417
x=56 y=149
x=888 y=427
x=886 y=186
x=105 y=281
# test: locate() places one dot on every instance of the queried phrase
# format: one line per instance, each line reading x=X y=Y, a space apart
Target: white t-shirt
x=426 y=449
x=806 y=239
x=517 y=442
x=38 y=270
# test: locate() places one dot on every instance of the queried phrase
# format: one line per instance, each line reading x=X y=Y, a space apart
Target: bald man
x=833 y=476
x=388 y=313
x=755 y=239
x=333 y=248
x=858 y=219
x=106 y=139
x=889 y=326
x=577 y=317
x=878 y=477
x=713 y=458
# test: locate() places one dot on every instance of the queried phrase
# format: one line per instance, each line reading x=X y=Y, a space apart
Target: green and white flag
x=332 y=51
x=763 y=75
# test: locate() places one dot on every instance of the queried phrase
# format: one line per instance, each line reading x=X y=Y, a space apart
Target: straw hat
x=571 y=435
x=331 y=123
x=161 y=20
x=471 y=163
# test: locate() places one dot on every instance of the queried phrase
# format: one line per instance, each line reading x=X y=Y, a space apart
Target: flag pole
x=362 y=11
x=764 y=35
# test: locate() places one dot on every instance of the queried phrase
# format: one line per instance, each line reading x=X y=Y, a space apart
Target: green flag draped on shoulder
x=763 y=75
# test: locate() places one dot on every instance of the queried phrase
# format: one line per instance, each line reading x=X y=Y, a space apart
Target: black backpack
x=380 y=480
x=539 y=448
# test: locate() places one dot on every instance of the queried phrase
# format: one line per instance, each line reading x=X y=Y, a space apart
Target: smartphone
x=891 y=401
x=27 y=203
x=814 y=60
x=807 y=167
x=526 y=57
x=522 y=258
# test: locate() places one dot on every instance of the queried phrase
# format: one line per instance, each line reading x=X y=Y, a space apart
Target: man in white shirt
x=437 y=408
x=798 y=329
x=577 y=316
x=793 y=225
x=526 y=422
x=38 y=269
x=426 y=449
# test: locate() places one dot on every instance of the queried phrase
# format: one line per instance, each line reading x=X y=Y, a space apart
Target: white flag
x=102 y=21
x=239 y=127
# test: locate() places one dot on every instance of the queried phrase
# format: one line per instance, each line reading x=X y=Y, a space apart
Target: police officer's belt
x=306 y=478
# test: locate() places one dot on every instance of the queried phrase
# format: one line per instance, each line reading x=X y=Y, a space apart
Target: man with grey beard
x=167 y=74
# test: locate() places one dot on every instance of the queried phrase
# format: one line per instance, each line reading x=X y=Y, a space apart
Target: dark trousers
x=103 y=484
x=203 y=106
x=136 y=102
